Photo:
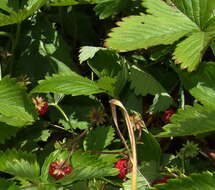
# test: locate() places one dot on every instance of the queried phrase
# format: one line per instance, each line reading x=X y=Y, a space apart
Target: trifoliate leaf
x=165 y=24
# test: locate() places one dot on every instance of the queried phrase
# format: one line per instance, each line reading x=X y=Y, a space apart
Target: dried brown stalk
x=133 y=153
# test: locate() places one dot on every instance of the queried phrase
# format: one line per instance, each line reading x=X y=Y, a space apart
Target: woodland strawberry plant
x=107 y=94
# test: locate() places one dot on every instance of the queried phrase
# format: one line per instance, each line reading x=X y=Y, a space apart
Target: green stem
x=60 y=109
x=183 y=165
x=59 y=127
x=14 y=47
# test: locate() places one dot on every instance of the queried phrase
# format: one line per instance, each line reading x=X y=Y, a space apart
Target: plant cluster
x=65 y=68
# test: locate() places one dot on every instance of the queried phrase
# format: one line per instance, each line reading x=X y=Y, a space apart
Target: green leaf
x=121 y=79
x=143 y=83
x=160 y=103
x=99 y=138
x=74 y=124
x=210 y=29
x=20 y=164
x=201 y=83
x=87 y=52
x=190 y=121
x=149 y=156
x=107 y=8
x=63 y=2
x=104 y=62
x=198 y=119
x=44 y=48
x=189 y=52
x=197 y=181
x=16 y=107
x=27 y=138
x=213 y=47
x=55 y=50
x=149 y=148
x=6 y=132
x=108 y=85
x=70 y=83
x=199 y=11
x=164 y=25
x=8 y=185
x=142 y=183
x=69 y=2
x=18 y=13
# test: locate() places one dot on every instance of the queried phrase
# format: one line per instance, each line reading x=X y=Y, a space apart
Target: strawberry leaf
x=8 y=185
x=196 y=181
x=165 y=24
x=20 y=164
x=69 y=83
x=190 y=121
x=143 y=83
x=7 y=132
x=18 y=13
x=16 y=108
x=99 y=138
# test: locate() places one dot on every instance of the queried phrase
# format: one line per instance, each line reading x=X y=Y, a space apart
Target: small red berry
x=58 y=169
x=161 y=181
x=41 y=105
x=167 y=115
x=122 y=166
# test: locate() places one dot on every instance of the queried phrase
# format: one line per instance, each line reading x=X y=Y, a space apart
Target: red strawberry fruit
x=122 y=166
x=161 y=181
x=167 y=115
x=58 y=169
x=41 y=105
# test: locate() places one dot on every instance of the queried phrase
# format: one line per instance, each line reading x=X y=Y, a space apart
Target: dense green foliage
x=62 y=61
